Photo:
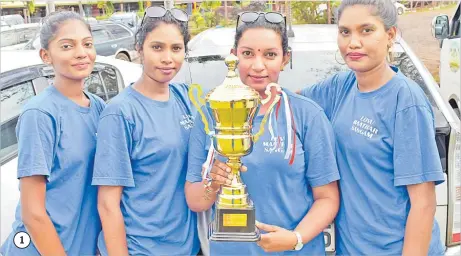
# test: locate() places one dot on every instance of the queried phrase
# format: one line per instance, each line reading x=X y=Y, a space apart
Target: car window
x=456 y=25
x=101 y=36
x=118 y=31
x=307 y=68
x=8 y=38
x=94 y=84
x=12 y=100
x=109 y=77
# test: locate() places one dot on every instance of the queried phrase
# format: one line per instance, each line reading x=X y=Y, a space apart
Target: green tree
x=140 y=8
x=31 y=6
x=208 y=9
x=210 y=5
x=197 y=18
x=110 y=9
x=102 y=5
x=311 y=13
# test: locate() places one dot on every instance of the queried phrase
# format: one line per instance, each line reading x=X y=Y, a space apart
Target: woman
x=295 y=193
x=384 y=127
x=57 y=138
x=140 y=164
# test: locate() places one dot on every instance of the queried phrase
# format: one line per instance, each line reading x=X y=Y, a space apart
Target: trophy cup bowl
x=232 y=107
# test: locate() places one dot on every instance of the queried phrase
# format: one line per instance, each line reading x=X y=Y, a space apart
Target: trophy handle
x=198 y=103
x=264 y=101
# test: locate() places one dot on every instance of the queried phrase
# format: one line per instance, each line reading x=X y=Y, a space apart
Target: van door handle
x=114 y=46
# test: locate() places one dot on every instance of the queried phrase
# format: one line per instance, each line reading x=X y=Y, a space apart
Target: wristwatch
x=300 y=244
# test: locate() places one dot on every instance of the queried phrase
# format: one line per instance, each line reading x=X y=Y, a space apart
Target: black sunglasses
x=160 y=11
x=272 y=17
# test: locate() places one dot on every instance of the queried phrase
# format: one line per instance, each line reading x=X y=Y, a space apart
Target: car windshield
x=306 y=68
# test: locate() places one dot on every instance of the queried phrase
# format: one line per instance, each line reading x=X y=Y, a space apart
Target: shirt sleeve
x=197 y=150
x=323 y=93
x=416 y=157
x=36 y=133
x=319 y=152
x=112 y=166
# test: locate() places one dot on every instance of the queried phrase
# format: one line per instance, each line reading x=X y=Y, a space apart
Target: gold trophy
x=232 y=107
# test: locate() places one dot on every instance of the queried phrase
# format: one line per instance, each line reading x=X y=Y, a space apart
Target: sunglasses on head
x=159 y=12
x=250 y=17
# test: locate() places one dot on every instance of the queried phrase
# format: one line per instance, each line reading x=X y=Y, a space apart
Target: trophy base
x=234 y=225
x=235 y=237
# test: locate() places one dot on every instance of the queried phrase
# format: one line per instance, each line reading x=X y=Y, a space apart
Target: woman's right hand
x=220 y=174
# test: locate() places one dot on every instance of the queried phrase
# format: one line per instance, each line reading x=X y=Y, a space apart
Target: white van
x=448 y=33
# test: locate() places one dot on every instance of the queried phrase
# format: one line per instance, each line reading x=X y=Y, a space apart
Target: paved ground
x=416 y=30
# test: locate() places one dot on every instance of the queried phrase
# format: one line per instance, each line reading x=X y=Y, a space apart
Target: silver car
x=110 y=39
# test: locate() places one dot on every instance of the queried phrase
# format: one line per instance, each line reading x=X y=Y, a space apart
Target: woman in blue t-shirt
x=141 y=155
x=386 y=150
x=292 y=171
x=56 y=134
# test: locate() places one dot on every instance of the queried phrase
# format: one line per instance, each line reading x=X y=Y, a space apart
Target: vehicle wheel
x=122 y=56
x=400 y=11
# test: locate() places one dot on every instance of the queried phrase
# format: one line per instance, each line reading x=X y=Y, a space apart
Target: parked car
x=110 y=39
x=23 y=75
x=314 y=58
x=129 y=19
x=448 y=33
x=15 y=37
x=11 y=20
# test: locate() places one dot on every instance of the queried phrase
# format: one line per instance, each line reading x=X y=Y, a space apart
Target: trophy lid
x=232 y=88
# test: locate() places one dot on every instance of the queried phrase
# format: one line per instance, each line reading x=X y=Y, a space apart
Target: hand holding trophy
x=232 y=107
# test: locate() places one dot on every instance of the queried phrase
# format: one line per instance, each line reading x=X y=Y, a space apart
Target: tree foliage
x=31 y=6
x=312 y=12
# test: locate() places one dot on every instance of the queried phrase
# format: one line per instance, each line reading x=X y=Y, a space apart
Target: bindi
x=259 y=50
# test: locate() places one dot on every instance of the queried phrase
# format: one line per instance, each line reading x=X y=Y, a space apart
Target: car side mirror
x=131 y=24
x=441 y=27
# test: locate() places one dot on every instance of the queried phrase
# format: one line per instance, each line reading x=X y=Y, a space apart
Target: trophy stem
x=235 y=194
x=235 y=164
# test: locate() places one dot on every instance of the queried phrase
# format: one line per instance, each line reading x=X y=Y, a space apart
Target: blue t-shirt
x=282 y=193
x=142 y=146
x=57 y=139
x=385 y=141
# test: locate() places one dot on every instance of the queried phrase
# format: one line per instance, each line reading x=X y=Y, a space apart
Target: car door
x=103 y=41
x=450 y=73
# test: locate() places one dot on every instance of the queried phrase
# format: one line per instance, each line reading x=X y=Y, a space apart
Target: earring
x=390 y=44
x=281 y=68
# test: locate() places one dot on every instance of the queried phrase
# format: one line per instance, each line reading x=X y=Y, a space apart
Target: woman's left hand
x=276 y=239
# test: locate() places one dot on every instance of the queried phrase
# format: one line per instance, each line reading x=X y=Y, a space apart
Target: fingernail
x=228 y=182
x=230 y=176
x=228 y=169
